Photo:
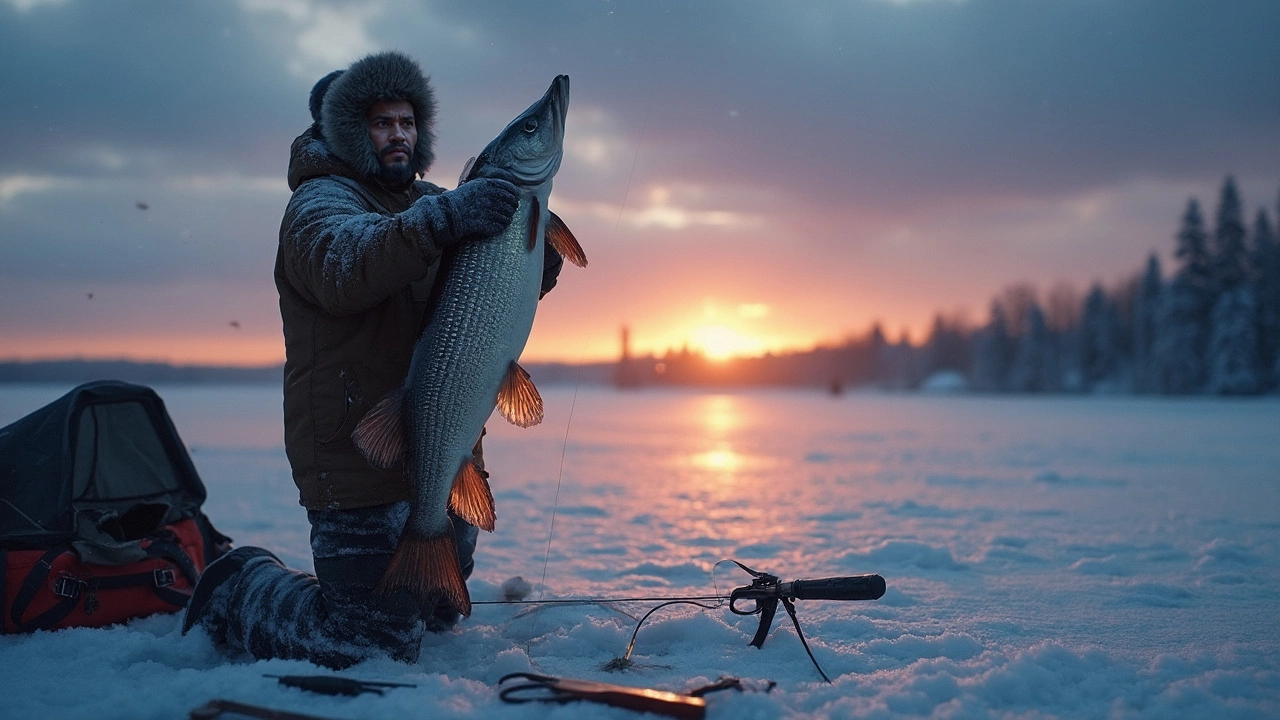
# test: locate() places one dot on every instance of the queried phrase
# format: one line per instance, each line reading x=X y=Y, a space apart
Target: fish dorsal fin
x=381 y=434
x=471 y=497
x=533 y=222
x=518 y=400
x=560 y=238
x=466 y=170
x=428 y=568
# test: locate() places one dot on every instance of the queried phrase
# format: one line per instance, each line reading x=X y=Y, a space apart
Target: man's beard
x=398 y=173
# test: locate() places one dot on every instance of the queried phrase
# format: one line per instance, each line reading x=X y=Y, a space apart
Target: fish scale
x=480 y=305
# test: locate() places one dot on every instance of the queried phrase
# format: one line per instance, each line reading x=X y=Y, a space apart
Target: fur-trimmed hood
x=382 y=77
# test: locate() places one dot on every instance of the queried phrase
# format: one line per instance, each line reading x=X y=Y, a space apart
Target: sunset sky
x=744 y=176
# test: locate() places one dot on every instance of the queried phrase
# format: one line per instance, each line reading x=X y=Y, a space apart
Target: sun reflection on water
x=722 y=459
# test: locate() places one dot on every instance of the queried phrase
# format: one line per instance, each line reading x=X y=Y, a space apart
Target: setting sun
x=718 y=342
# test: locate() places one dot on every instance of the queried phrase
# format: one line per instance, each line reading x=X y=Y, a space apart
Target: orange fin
x=560 y=238
x=381 y=435
x=533 y=222
x=428 y=568
x=518 y=400
x=471 y=497
x=466 y=170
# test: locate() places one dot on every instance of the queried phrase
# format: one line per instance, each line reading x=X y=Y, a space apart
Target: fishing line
x=626 y=194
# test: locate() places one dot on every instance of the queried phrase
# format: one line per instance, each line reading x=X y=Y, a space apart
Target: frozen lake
x=1074 y=557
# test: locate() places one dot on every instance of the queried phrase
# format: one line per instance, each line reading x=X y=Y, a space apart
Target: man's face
x=394 y=134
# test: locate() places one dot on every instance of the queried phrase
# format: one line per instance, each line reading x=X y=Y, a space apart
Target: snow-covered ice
x=1045 y=557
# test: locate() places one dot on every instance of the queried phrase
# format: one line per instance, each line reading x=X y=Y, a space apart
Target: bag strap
x=70 y=589
x=175 y=554
x=31 y=585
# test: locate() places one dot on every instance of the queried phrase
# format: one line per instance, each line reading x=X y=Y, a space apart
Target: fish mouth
x=558 y=97
x=523 y=155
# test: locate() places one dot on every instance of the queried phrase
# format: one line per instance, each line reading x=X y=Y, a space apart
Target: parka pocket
x=348 y=414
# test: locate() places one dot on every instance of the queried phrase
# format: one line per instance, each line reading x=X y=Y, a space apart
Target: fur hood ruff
x=382 y=77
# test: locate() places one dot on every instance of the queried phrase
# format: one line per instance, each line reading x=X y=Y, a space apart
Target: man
x=360 y=249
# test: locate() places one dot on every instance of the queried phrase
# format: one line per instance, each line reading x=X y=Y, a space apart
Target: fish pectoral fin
x=381 y=434
x=534 y=220
x=518 y=400
x=471 y=499
x=428 y=568
x=560 y=238
x=466 y=170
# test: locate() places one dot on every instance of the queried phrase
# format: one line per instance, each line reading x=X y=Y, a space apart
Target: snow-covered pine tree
x=1230 y=261
x=1233 y=348
x=1266 y=284
x=1145 y=310
x=992 y=353
x=1182 y=330
x=1178 y=351
x=1035 y=368
x=1100 y=352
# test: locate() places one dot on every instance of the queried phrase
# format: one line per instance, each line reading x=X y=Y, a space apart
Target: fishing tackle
x=765 y=592
x=686 y=706
x=335 y=685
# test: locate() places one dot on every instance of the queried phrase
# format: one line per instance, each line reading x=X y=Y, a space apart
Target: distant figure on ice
x=359 y=254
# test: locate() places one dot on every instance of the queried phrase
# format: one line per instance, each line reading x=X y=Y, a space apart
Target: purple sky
x=743 y=175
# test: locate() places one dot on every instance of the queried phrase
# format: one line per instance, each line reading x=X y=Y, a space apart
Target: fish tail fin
x=428 y=568
x=471 y=497
x=381 y=434
x=560 y=238
x=518 y=400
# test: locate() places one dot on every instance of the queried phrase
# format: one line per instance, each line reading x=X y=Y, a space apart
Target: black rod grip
x=855 y=587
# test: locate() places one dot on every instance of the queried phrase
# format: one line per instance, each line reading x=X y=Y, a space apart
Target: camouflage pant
x=334 y=618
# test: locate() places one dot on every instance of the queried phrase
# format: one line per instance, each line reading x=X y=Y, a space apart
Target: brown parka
x=354 y=271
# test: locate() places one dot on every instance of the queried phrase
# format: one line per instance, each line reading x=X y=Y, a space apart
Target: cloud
x=665 y=208
x=14 y=185
x=326 y=36
x=25 y=6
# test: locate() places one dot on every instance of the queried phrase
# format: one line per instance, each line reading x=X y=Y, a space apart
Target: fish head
x=528 y=151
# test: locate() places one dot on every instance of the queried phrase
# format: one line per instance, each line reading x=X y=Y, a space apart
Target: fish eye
x=530 y=125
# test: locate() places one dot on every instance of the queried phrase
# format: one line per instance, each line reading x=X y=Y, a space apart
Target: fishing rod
x=764 y=593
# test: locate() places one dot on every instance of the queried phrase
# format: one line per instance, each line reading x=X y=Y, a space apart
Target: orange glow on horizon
x=248 y=351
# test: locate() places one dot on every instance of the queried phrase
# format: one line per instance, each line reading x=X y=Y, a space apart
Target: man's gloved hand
x=476 y=209
x=552 y=262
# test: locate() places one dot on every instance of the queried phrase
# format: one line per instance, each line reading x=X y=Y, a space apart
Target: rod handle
x=853 y=587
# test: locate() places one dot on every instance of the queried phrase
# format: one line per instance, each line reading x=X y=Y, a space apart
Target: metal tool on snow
x=335 y=685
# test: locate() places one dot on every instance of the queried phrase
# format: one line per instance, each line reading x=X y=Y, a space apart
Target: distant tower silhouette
x=625 y=374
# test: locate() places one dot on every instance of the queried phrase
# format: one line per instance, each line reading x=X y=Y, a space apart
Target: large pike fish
x=465 y=361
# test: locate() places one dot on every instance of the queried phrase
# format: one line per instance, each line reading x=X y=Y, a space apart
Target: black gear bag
x=100 y=516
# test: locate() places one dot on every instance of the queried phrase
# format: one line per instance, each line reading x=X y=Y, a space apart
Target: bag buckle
x=163 y=577
x=68 y=587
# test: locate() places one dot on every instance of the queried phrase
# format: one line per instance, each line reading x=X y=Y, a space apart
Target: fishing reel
x=766 y=591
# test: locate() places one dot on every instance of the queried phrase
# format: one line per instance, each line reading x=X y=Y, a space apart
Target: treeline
x=1212 y=327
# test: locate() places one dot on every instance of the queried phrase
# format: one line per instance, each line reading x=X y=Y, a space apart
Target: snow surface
x=1068 y=557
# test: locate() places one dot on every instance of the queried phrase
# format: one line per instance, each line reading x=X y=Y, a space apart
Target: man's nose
x=397 y=131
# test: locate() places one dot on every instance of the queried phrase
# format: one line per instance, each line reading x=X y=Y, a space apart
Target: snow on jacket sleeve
x=346 y=259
